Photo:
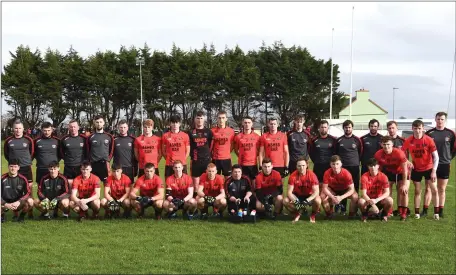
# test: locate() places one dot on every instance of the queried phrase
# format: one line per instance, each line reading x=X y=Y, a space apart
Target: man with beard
x=47 y=151
x=371 y=144
x=444 y=139
x=246 y=147
x=73 y=151
x=175 y=146
x=298 y=142
x=274 y=145
x=124 y=153
x=148 y=148
x=321 y=150
x=100 y=147
x=350 y=149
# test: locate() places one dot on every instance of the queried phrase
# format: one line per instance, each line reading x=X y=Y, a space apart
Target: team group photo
x=228 y=138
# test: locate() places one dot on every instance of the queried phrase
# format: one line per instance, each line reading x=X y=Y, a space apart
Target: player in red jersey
x=247 y=147
x=175 y=146
x=303 y=190
x=116 y=193
x=151 y=192
x=148 y=147
x=269 y=189
x=86 y=192
x=338 y=185
x=223 y=144
x=211 y=192
x=179 y=193
x=394 y=164
x=425 y=159
x=274 y=145
x=374 y=192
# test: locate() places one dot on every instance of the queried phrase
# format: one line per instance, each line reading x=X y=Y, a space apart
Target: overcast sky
x=406 y=45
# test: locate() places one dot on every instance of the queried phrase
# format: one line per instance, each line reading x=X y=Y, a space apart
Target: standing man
x=100 y=146
x=53 y=193
x=398 y=141
x=200 y=147
x=444 y=139
x=247 y=147
x=303 y=190
x=371 y=144
x=298 y=142
x=321 y=150
x=223 y=144
x=350 y=149
x=47 y=151
x=124 y=153
x=148 y=148
x=274 y=145
x=15 y=192
x=175 y=146
x=425 y=159
x=21 y=148
x=73 y=150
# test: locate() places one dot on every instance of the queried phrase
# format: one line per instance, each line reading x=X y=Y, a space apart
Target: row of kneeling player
x=237 y=192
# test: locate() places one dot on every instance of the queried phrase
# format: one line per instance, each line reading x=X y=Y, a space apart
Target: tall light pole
x=394 y=91
x=351 y=67
x=331 y=85
x=140 y=62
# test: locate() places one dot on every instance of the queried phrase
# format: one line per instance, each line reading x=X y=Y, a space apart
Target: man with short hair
x=223 y=144
x=151 y=192
x=148 y=148
x=53 y=193
x=398 y=141
x=274 y=145
x=321 y=150
x=338 y=185
x=298 y=142
x=350 y=149
x=269 y=189
x=21 y=148
x=246 y=147
x=100 y=147
x=47 y=150
x=211 y=192
x=116 y=193
x=201 y=140
x=444 y=139
x=303 y=190
x=86 y=193
x=374 y=192
x=371 y=144
x=15 y=192
x=179 y=193
x=124 y=153
x=175 y=146
x=425 y=159
x=238 y=191
x=73 y=151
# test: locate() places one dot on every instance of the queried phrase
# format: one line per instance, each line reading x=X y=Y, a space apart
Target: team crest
x=54 y=146
x=330 y=145
x=354 y=146
x=447 y=139
x=106 y=141
x=129 y=144
x=24 y=144
x=80 y=144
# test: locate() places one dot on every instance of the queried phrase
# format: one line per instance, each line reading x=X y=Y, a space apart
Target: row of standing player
x=205 y=145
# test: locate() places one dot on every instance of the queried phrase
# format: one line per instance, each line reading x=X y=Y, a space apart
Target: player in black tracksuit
x=238 y=191
x=100 y=148
x=298 y=143
x=371 y=144
x=124 y=153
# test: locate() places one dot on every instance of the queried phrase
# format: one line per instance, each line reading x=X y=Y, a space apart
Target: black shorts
x=301 y=198
x=101 y=170
x=40 y=173
x=417 y=176
x=339 y=192
x=198 y=167
x=319 y=169
x=281 y=170
x=71 y=172
x=141 y=172
x=250 y=171
x=169 y=170
x=223 y=166
x=443 y=171
x=393 y=177
x=129 y=172
x=354 y=171
x=26 y=171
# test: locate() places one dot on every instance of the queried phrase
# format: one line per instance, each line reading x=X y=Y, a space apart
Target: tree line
x=272 y=81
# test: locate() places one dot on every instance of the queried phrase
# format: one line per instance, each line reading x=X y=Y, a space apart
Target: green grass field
x=210 y=247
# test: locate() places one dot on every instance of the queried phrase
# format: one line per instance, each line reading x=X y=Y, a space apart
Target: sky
x=410 y=46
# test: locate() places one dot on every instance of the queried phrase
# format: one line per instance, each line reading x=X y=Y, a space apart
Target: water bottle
x=240 y=213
